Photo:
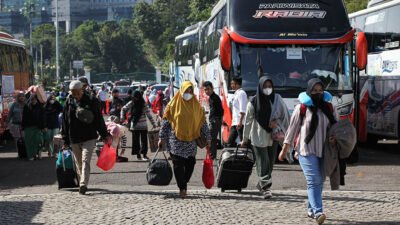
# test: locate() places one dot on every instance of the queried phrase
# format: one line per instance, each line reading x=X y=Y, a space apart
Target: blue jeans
x=313 y=169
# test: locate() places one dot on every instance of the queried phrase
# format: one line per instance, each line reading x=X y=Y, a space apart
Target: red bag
x=208 y=171
x=107 y=158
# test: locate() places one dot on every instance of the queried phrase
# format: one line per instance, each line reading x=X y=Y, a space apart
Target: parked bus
x=186 y=47
x=380 y=93
x=16 y=70
x=290 y=42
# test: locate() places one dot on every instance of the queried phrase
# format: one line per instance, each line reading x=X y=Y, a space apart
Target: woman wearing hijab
x=184 y=122
x=14 y=118
x=34 y=124
x=311 y=129
x=53 y=109
x=138 y=124
x=265 y=111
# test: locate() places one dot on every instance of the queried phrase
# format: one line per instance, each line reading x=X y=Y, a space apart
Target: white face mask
x=187 y=96
x=52 y=101
x=267 y=91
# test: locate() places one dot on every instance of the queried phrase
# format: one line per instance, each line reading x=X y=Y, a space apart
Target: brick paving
x=201 y=207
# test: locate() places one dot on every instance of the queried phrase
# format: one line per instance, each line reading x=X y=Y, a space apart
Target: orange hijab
x=185 y=117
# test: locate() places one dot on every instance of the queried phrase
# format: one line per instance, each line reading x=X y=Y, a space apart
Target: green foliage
x=355 y=5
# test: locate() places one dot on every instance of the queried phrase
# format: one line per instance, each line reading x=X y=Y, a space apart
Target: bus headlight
x=345 y=110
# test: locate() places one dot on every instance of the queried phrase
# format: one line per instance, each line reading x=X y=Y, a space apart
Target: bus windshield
x=290 y=66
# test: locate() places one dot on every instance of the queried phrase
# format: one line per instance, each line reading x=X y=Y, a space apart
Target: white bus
x=380 y=95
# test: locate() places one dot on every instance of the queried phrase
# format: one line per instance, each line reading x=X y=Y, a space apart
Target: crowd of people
x=255 y=123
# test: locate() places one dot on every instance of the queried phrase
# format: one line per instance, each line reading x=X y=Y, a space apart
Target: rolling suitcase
x=65 y=168
x=21 y=148
x=234 y=168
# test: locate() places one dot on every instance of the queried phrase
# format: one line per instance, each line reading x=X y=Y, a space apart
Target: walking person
x=102 y=96
x=116 y=104
x=215 y=117
x=129 y=97
x=82 y=121
x=53 y=109
x=239 y=104
x=138 y=124
x=311 y=128
x=14 y=118
x=265 y=111
x=184 y=122
x=33 y=124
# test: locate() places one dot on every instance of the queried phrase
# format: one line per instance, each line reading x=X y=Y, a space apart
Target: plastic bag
x=107 y=158
x=208 y=171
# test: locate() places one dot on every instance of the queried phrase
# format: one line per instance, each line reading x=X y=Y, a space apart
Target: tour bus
x=16 y=70
x=289 y=42
x=380 y=95
x=186 y=47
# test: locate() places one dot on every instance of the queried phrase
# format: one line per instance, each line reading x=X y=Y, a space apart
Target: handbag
x=84 y=115
x=278 y=134
x=208 y=171
x=159 y=171
x=107 y=158
x=201 y=141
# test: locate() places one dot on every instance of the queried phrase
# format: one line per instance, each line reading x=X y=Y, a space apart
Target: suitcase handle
x=155 y=155
x=247 y=151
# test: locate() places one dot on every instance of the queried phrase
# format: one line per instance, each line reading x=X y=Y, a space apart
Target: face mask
x=317 y=98
x=267 y=91
x=52 y=101
x=187 y=96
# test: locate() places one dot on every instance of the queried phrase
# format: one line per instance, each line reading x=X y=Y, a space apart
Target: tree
x=200 y=10
x=355 y=5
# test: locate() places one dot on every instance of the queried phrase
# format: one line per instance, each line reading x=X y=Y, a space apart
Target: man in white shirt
x=102 y=95
x=239 y=104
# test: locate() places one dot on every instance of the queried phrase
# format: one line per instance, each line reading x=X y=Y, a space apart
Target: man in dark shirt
x=116 y=104
x=82 y=123
x=215 y=116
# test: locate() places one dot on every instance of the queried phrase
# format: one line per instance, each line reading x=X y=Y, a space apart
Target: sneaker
x=267 y=194
x=30 y=159
x=82 y=190
x=310 y=215
x=139 y=157
x=320 y=219
x=145 y=158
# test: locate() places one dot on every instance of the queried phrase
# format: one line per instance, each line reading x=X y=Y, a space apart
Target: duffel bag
x=159 y=172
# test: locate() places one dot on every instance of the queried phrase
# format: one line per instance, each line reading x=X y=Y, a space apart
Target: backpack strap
x=303 y=110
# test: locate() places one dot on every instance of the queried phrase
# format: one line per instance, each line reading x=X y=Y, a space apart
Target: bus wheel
x=354 y=156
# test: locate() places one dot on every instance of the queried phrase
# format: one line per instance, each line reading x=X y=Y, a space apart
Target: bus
x=290 y=42
x=16 y=70
x=186 y=48
x=380 y=83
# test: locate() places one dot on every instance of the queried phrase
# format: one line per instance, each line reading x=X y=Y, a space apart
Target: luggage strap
x=155 y=155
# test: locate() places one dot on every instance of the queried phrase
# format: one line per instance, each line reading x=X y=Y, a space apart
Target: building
x=71 y=13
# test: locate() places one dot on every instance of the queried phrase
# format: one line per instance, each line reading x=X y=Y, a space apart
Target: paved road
x=29 y=195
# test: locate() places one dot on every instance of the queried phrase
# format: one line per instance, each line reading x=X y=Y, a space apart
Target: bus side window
x=393 y=29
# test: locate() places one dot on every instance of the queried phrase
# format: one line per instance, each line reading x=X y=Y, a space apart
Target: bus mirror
x=361 y=50
x=225 y=51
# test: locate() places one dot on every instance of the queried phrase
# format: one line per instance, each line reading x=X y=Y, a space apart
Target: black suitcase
x=67 y=178
x=234 y=168
x=21 y=148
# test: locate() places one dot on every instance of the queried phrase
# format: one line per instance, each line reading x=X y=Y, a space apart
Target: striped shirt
x=315 y=146
x=142 y=123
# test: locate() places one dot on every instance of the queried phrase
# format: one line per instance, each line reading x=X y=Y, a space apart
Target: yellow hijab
x=185 y=117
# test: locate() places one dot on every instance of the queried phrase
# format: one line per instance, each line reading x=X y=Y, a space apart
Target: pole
x=57 y=50
x=36 y=61
x=30 y=37
x=41 y=60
